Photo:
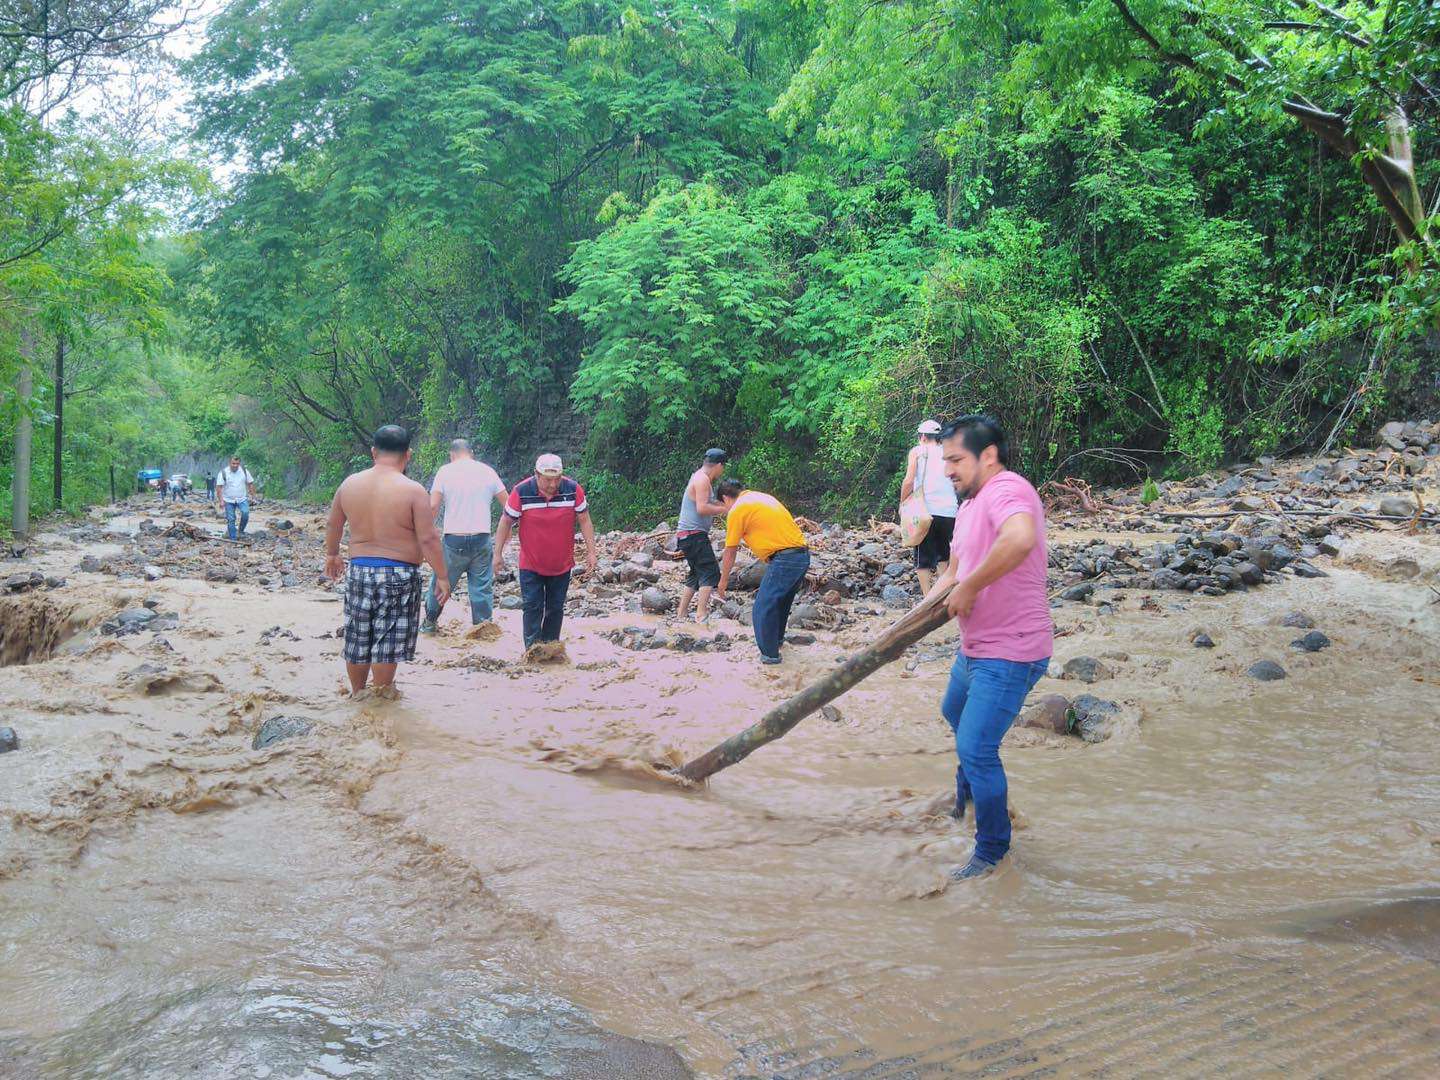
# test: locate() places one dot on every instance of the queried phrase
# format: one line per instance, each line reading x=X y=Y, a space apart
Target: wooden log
x=915 y=624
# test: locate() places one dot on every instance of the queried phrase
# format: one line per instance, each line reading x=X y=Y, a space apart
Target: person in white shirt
x=464 y=488
x=234 y=488
x=925 y=472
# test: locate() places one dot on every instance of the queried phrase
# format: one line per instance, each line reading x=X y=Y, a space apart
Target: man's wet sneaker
x=428 y=627
x=975 y=868
x=769 y=659
x=958 y=811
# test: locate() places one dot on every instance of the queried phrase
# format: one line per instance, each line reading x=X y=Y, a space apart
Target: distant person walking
x=925 y=474
x=392 y=528
x=546 y=508
x=698 y=507
x=209 y=486
x=996 y=586
x=769 y=531
x=164 y=489
x=464 y=489
x=234 y=488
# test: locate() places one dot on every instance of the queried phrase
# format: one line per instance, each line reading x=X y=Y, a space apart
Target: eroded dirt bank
x=483 y=879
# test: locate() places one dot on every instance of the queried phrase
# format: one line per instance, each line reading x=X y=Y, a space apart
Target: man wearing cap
x=925 y=473
x=545 y=508
x=772 y=536
x=692 y=533
x=464 y=488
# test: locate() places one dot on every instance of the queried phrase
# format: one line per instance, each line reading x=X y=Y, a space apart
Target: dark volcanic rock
x=1266 y=671
x=280 y=727
x=1081 y=592
x=8 y=740
x=1202 y=640
x=1087 y=669
x=1093 y=717
x=1314 y=641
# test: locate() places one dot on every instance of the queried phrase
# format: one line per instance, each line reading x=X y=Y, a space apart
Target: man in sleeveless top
x=925 y=473
x=698 y=507
x=391 y=529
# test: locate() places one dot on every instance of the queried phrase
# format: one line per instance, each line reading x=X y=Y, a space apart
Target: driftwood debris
x=915 y=624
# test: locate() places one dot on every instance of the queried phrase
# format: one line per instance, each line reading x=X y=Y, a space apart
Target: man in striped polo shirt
x=545 y=508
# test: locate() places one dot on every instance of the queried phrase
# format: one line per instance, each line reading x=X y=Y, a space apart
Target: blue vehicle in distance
x=147 y=479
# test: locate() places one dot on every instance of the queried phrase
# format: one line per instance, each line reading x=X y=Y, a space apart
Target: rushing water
x=484 y=879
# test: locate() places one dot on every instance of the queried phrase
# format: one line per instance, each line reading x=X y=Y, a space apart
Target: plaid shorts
x=382 y=613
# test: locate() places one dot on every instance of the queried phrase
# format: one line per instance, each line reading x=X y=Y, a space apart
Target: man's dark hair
x=978 y=431
x=716 y=456
x=391 y=439
x=730 y=488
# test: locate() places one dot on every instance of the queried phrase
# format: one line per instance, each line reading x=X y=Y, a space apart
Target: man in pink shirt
x=996 y=586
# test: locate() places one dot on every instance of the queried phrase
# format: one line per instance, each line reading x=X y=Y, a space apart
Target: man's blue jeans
x=234 y=510
x=980 y=704
x=775 y=597
x=471 y=556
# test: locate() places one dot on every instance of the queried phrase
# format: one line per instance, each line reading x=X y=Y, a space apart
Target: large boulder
x=1397 y=506
x=1266 y=671
x=1049 y=713
x=656 y=601
x=1087 y=669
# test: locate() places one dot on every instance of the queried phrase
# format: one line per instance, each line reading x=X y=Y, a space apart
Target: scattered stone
x=1314 y=641
x=641 y=559
x=54 y=582
x=1266 y=671
x=1298 y=620
x=1093 y=717
x=893 y=596
x=24 y=581
x=1049 y=713
x=280 y=727
x=510 y=603
x=1202 y=640
x=656 y=601
x=1080 y=592
x=829 y=712
x=277 y=632
x=1087 y=669
x=1303 y=569
x=1397 y=506
x=801 y=638
x=153 y=573
x=8 y=740
x=225 y=574
x=1328 y=544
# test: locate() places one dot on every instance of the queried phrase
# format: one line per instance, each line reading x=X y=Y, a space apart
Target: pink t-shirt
x=1011 y=617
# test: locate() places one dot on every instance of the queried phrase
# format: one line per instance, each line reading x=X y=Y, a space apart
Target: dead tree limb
x=919 y=621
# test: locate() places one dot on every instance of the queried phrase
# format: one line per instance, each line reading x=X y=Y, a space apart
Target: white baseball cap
x=549 y=465
x=928 y=427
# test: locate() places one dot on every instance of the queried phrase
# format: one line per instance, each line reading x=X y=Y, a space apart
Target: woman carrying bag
x=927 y=505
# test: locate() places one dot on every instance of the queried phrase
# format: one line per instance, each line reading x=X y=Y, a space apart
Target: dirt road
x=482 y=880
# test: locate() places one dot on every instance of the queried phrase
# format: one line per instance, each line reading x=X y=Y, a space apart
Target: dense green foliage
x=1143 y=233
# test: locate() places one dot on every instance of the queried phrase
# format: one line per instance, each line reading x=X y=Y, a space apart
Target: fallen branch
x=1421 y=519
x=915 y=624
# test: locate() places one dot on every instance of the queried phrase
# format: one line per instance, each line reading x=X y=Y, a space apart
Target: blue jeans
x=542 y=597
x=468 y=555
x=980 y=704
x=775 y=597
x=233 y=510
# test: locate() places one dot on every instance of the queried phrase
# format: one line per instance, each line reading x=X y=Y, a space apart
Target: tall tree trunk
x=59 y=419
x=24 y=435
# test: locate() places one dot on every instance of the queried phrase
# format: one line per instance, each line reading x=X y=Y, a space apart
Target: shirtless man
x=391 y=528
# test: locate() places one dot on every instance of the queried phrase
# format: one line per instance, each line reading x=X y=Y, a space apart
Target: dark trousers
x=543 y=597
x=776 y=596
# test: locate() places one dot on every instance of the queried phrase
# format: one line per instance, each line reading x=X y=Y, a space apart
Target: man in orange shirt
x=767 y=529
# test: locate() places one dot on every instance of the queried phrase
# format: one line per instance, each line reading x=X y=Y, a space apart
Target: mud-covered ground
x=487 y=877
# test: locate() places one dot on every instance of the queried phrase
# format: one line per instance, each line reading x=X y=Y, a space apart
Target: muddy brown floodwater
x=486 y=879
